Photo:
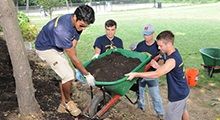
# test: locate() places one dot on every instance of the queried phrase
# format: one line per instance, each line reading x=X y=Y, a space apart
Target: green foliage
x=1 y=29
x=28 y=30
x=22 y=17
x=23 y=2
x=48 y=5
x=189 y=1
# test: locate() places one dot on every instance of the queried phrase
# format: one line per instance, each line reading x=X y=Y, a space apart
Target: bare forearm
x=76 y=62
x=79 y=66
x=147 y=75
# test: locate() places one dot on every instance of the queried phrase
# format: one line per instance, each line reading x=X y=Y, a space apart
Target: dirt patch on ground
x=112 y=67
x=203 y=103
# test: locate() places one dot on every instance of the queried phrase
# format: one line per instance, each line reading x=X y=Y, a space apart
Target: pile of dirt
x=112 y=67
x=45 y=83
x=5 y=64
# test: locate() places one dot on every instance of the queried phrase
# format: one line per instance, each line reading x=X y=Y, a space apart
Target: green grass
x=195 y=27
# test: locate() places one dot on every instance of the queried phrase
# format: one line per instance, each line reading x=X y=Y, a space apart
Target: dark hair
x=110 y=23
x=166 y=35
x=85 y=13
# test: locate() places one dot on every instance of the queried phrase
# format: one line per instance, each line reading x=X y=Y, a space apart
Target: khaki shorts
x=59 y=63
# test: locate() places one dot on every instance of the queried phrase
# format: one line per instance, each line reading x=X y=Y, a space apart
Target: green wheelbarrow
x=111 y=92
x=211 y=59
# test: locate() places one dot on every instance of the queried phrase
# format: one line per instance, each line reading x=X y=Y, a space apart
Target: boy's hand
x=130 y=75
x=95 y=56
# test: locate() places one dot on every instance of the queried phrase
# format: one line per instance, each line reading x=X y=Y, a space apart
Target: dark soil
x=112 y=67
x=46 y=85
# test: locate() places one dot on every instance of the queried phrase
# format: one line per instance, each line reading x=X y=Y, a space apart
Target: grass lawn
x=194 y=27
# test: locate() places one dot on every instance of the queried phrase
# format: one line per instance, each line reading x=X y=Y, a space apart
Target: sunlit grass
x=195 y=27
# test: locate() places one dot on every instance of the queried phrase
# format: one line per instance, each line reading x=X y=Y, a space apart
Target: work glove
x=133 y=46
x=130 y=75
x=95 y=56
x=90 y=80
x=79 y=76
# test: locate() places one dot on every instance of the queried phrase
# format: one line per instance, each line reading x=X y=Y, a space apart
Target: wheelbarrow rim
x=110 y=83
x=202 y=52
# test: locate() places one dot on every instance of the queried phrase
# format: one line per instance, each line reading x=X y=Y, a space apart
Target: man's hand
x=79 y=76
x=90 y=80
x=130 y=75
x=95 y=56
x=154 y=64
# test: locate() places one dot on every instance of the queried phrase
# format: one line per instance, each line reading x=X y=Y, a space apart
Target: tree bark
x=27 y=5
x=67 y=5
x=22 y=72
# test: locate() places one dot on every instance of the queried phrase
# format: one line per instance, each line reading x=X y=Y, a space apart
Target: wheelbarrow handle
x=148 y=66
x=113 y=100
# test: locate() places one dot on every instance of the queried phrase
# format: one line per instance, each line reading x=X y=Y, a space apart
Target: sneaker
x=72 y=108
x=62 y=109
x=160 y=117
x=141 y=108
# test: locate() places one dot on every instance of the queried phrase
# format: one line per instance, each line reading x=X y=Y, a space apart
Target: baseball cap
x=148 y=29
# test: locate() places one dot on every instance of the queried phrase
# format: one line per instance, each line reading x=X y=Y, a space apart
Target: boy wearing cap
x=178 y=90
x=107 y=41
x=149 y=45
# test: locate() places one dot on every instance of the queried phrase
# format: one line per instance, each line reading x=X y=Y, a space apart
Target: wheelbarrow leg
x=107 y=106
x=211 y=72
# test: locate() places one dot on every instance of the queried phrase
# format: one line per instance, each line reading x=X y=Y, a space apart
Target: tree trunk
x=67 y=5
x=71 y=3
x=21 y=67
x=50 y=13
x=27 y=5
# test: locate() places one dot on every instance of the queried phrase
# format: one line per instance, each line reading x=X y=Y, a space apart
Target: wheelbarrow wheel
x=98 y=103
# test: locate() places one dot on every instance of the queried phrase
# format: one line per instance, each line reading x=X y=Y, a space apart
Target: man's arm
x=162 y=70
x=97 y=50
x=165 y=68
x=71 y=52
x=97 y=53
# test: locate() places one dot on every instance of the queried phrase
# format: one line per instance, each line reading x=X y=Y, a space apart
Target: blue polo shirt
x=103 y=43
x=57 y=34
x=176 y=81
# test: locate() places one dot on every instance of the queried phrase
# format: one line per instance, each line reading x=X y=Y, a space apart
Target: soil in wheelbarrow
x=112 y=67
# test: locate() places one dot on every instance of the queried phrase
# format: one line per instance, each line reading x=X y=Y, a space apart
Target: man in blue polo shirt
x=109 y=40
x=61 y=35
x=178 y=90
x=149 y=45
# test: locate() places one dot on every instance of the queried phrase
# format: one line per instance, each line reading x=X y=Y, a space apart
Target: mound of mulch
x=44 y=80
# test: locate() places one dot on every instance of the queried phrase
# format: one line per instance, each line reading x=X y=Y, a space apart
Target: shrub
x=28 y=30
x=22 y=17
